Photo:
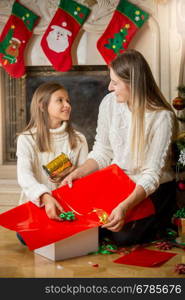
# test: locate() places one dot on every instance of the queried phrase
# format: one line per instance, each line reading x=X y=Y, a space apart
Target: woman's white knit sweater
x=31 y=176
x=112 y=143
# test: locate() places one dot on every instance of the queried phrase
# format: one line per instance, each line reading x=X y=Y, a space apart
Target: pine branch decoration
x=181 y=90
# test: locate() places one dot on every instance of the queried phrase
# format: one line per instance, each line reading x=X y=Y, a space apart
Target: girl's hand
x=116 y=219
x=62 y=175
x=52 y=207
x=76 y=174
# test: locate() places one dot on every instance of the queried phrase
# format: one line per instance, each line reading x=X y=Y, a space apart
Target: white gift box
x=79 y=244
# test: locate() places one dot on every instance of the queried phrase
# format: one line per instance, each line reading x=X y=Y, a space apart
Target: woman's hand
x=116 y=219
x=52 y=207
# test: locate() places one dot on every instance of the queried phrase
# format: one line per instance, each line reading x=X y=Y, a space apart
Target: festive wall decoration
x=126 y=21
x=61 y=32
x=14 y=37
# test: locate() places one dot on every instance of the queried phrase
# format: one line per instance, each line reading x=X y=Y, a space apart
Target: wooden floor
x=17 y=261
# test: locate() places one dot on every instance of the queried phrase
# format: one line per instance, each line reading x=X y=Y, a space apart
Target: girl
x=48 y=133
x=136 y=126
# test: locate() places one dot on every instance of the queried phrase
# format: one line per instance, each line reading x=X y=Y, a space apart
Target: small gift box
x=181 y=231
x=79 y=244
x=179 y=220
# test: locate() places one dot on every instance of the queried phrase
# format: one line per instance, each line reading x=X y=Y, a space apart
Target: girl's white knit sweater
x=112 y=143
x=31 y=176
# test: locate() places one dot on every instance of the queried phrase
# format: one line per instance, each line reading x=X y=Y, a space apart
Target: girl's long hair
x=134 y=70
x=39 y=118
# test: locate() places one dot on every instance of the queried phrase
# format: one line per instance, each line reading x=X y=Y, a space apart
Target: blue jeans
x=20 y=239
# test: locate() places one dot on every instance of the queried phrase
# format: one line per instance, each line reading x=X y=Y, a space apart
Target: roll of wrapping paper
x=55 y=167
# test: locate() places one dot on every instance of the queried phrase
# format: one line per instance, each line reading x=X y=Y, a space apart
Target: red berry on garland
x=181 y=185
x=178 y=103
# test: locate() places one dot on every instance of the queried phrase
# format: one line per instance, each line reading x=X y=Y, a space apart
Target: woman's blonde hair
x=39 y=118
x=134 y=70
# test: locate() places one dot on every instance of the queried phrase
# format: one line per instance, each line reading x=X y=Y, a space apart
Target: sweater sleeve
x=25 y=173
x=158 y=153
x=102 y=151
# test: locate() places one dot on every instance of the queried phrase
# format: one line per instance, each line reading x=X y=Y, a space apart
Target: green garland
x=181 y=90
x=180 y=213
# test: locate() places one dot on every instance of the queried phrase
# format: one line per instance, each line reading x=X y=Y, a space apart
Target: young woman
x=48 y=133
x=136 y=126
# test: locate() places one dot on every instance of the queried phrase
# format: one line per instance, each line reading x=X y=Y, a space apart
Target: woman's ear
x=41 y=107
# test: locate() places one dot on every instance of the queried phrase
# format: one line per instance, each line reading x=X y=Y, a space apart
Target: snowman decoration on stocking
x=57 y=39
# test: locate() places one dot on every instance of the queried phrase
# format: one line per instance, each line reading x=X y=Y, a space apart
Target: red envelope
x=103 y=189
x=145 y=258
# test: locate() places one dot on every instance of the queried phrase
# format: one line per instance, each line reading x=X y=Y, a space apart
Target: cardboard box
x=76 y=245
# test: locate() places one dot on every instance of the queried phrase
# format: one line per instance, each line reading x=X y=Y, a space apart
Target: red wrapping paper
x=103 y=189
x=37 y=230
x=145 y=258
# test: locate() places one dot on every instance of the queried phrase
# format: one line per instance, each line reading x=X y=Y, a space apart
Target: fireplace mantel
x=161 y=40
